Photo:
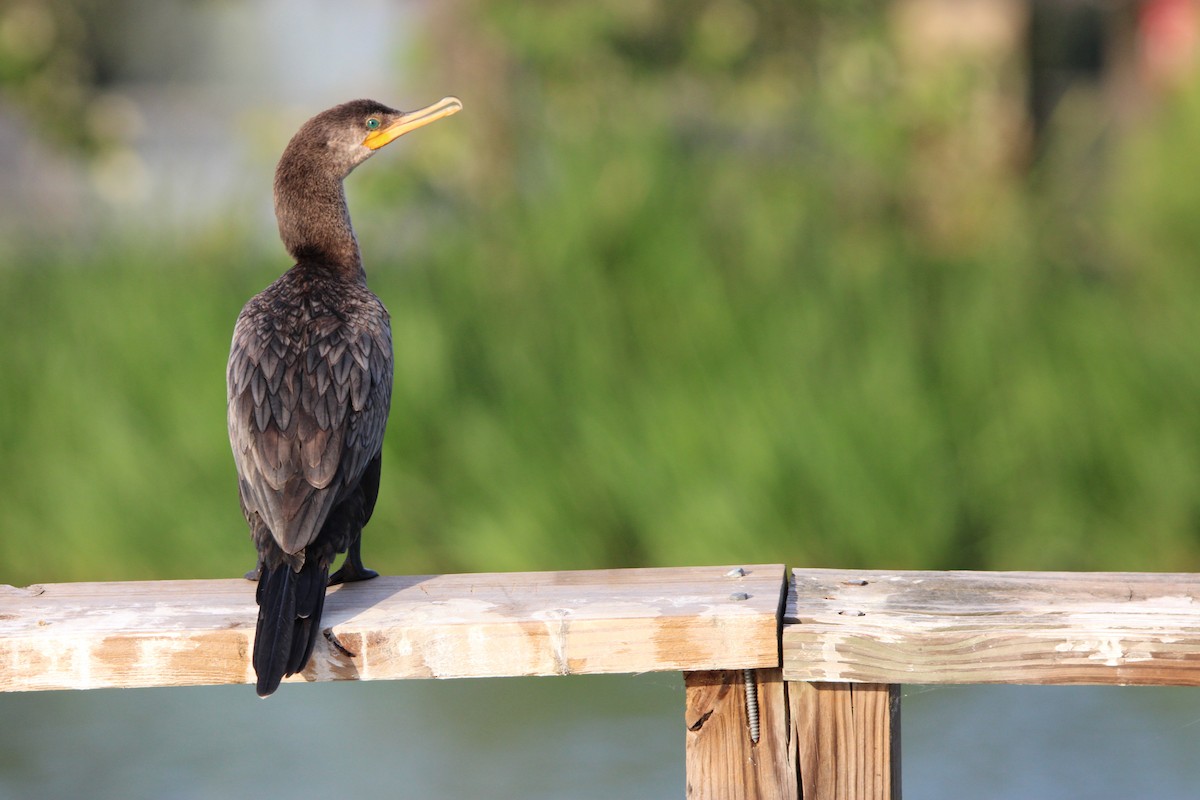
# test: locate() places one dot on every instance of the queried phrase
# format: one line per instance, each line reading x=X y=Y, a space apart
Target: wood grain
x=173 y=633
x=992 y=627
x=722 y=761
x=847 y=740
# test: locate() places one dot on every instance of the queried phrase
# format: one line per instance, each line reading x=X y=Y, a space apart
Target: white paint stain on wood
x=164 y=633
x=992 y=627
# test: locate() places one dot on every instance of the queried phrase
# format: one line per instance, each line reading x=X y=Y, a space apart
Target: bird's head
x=344 y=136
x=310 y=204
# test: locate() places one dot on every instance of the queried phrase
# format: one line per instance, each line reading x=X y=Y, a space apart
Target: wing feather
x=308 y=397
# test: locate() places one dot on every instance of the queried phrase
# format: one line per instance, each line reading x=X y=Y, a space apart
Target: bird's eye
x=373 y=124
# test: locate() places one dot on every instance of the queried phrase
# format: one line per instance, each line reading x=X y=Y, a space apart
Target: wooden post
x=847 y=740
x=722 y=761
x=817 y=741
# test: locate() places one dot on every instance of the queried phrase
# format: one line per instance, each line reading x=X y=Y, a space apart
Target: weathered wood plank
x=171 y=633
x=992 y=627
x=847 y=740
x=722 y=761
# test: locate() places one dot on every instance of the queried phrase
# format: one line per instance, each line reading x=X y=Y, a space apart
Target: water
x=580 y=737
x=574 y=738
x=1033 y=742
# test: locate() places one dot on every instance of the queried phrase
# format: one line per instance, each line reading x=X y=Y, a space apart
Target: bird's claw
x=350 y=573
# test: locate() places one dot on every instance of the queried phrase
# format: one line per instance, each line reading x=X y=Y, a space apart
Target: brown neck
x=314 y=222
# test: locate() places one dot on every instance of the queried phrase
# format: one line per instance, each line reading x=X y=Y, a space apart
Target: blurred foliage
x=61 y=62
x=741 y=282
x=46 y=65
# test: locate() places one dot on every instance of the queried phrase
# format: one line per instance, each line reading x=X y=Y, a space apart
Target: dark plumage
x=309 y=384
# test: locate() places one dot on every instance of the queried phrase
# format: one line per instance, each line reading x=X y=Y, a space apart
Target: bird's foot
x=352 y=568
x=349 y=574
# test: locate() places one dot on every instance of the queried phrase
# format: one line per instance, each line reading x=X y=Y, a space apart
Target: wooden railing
x=792 y=677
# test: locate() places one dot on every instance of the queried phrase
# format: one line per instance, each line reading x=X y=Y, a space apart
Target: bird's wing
x=307 y=407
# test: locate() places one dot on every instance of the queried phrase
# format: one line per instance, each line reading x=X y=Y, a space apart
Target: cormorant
x=309 y=384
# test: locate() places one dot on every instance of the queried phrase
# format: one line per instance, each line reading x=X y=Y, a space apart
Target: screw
x=751 y=703
x=736 y=572
x=739 y=596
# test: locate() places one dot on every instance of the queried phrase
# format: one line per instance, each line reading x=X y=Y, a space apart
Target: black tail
x=289 y=617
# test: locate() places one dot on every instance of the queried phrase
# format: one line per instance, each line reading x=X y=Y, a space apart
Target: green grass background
x=665 y=313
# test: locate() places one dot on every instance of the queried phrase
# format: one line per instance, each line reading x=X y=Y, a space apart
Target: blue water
x=579 y=737
x=1051 y=742
x=583 y=737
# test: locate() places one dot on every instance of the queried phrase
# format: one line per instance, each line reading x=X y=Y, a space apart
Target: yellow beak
x=411 y=120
